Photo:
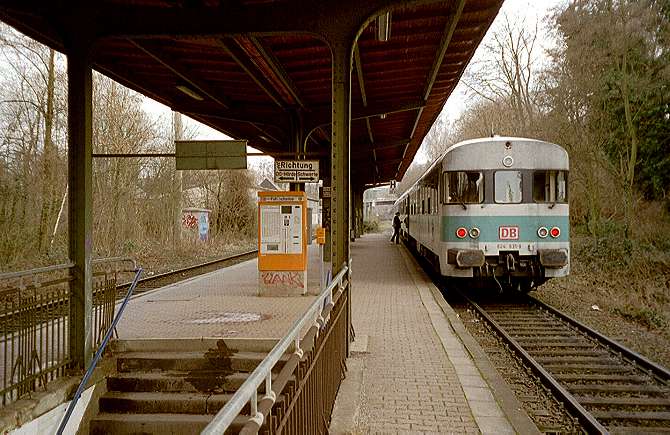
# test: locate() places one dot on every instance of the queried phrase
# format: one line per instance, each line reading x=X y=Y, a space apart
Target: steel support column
x=324 y=167
x=80 y=217
x=340 y=217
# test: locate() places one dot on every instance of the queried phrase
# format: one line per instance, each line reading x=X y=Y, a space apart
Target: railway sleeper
x=632 y=415
x=545 y=333
x=591 y=359
x=558 y=344
x=655 y=402
x=547 y=338
x=627 y=430
x=613 y=388
x=575 y=377
x=568 y=352
x=596 y=368
x=549 y=342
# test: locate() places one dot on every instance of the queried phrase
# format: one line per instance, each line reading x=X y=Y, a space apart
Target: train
x=492 y=212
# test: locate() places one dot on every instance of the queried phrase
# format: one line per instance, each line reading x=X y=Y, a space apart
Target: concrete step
x=164 y=424
x=175 y=381
x=193 y=345
x=167 y=403
x=189 y=361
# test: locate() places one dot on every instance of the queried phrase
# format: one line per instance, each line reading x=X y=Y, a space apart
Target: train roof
x=488 y=153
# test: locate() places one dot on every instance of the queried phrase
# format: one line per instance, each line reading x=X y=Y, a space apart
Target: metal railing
x=34 y=312
x=34 y=306
x=312 y=376
x=98 y=353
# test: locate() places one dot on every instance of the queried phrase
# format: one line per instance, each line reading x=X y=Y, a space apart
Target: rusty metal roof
x=249 y=66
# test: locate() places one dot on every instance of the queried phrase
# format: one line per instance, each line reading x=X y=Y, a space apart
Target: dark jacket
x=396 y=222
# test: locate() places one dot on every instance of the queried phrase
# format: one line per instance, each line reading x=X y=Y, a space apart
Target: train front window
x=508 y=187
x=463 y=187
x=550 y=186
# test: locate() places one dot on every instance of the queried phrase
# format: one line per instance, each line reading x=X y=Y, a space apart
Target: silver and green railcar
x=493 y=209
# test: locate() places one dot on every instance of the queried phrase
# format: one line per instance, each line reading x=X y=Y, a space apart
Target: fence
x=309 y=380
x=34 y=332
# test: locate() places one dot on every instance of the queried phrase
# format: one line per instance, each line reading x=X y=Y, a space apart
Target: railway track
x=162 y=279
x=609 y=388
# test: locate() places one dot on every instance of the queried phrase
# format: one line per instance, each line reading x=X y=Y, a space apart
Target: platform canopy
x=261 y=70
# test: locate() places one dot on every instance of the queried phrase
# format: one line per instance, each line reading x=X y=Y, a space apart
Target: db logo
x=508 y=233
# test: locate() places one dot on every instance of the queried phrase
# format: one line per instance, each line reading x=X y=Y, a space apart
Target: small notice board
x=296 y=171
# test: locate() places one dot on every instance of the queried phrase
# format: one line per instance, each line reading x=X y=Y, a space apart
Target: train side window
x=550 y=186
x=429 y=210
x=463 y=187
x=508 y=187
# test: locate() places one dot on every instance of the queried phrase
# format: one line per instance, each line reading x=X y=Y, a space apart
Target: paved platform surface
x=408 y=371
x=223 y=303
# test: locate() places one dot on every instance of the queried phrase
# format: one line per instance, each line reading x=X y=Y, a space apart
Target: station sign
x=296 y=171
x=210 y=154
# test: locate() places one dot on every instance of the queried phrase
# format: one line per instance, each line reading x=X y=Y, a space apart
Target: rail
x=98 y=353
x=248 y=391
x=585 y=418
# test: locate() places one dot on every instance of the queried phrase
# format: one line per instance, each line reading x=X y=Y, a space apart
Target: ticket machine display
x=282 y=242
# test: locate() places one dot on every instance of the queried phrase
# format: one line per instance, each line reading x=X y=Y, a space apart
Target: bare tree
x=507 y=72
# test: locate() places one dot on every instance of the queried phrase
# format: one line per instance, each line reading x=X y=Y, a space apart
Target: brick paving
x=223 y=303
x=408 y=382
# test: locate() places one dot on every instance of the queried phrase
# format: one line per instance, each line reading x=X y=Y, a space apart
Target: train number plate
x=508 y=233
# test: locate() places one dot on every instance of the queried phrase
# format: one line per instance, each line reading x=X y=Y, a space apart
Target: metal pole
x=340 y=216
x=176 y=229
x=80 y=216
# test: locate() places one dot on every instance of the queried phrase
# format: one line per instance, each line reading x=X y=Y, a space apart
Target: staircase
x=175 y=386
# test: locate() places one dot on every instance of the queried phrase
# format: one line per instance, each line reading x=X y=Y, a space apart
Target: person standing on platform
x=396 y=228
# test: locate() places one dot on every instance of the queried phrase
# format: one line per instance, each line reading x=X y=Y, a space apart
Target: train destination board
x=296 y=171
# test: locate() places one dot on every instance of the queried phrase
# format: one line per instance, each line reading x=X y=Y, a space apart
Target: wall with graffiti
x=195 y=224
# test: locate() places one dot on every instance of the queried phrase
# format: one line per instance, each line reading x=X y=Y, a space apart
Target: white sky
x=530 y=11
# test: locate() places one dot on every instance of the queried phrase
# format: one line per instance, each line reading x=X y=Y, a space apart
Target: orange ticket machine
x=282 y=243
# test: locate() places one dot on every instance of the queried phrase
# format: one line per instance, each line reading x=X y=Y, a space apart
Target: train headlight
x=555 y=232
x=461 y=233
x=542 y=232
x=474 y=233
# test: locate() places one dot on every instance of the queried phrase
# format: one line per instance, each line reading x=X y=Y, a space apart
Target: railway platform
x=219 y=304
x=413 y=368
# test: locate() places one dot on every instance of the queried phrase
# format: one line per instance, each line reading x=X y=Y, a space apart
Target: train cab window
x=463 y=187
x=508 y=186
x=550 y=186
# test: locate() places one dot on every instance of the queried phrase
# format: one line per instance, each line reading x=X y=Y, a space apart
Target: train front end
x=506 y=213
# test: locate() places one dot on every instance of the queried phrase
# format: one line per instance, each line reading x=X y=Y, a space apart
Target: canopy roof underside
x=251 y=65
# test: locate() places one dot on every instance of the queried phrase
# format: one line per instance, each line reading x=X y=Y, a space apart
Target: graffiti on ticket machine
x=289 y=279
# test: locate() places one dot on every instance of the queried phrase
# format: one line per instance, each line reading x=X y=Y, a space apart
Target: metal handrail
x=21 y=273
x=248 y=392
x=56 y=267
x=98 y=354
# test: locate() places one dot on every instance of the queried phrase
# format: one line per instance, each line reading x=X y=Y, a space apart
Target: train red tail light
x=555 y=232
x=461 y=232
x=542 y=232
